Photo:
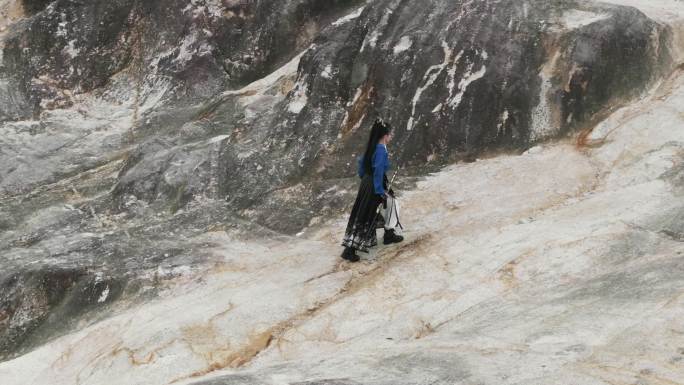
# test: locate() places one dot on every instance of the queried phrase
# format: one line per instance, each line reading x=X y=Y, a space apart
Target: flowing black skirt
x=364 y=218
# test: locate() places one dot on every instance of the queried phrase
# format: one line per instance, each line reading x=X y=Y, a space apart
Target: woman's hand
x=383 y=199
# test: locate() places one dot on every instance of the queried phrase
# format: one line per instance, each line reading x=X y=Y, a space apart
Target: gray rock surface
x=129 y=129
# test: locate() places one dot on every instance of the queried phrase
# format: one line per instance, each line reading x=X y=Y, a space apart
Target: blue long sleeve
x=380 y=165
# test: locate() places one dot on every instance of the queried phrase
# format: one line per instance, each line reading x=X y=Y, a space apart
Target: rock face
x=200 y=47
x=129 y=129
x=456 y=79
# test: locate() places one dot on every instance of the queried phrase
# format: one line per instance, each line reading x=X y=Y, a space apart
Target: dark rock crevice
x=37 y=304
x=32 y=7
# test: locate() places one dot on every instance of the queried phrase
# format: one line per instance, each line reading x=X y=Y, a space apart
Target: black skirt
x=364 y=218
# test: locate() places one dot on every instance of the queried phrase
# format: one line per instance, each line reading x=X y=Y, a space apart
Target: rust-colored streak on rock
x=236 y=359
x=132 y=356
x=425 y=330
x=507 y=275
x=358 y=110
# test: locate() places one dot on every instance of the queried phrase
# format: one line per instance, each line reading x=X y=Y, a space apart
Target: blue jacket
x=379 y=165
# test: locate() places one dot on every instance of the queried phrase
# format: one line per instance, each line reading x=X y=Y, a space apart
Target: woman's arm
x=380 y=161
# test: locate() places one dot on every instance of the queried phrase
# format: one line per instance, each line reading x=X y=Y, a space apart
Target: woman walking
x=360 y=234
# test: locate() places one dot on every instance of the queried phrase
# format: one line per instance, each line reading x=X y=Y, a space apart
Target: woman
x=373 y=165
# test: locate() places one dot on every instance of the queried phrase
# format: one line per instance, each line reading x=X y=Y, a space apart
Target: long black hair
x=379 y=130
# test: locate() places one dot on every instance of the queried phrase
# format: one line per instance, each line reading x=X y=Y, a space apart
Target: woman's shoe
x=350 y=255
x=391 y=237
